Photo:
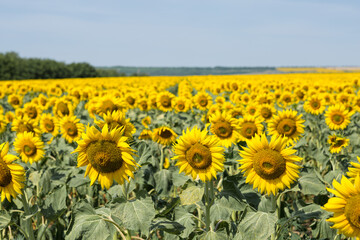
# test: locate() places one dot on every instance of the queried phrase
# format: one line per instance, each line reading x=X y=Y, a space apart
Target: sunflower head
x=146 y=134
x=249 y=127
x=164 y=101
x=225 y=128
x=30 y=147
x=164 y=135
x=269 y=166
x=107 y=155
x=71 y=128
x=337 y=117
x=199 y=154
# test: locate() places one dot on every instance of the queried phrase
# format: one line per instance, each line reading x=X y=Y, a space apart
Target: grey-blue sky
x=184 y=32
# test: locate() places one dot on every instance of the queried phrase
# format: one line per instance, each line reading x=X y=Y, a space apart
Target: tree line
x=13 y=67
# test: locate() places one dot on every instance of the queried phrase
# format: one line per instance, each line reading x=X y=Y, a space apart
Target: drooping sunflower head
x=249 y=126
x=269 y=166
x=337 y=143
x=225 y=128
x=146 y=121
x=29 y=146
x=71 y=128
x=202 y=100
x=345 y=206
x=146 y=134
x=164 y=135
x=337 y=117
x=287 y=123
x=117 y=119
x=12 y=175
x=164 y=101
x=49 y=124
x=199 y=154
x=107 y=155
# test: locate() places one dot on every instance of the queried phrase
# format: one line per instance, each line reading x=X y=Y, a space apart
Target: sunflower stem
x=207 y=204
x=125 y=188
x=29 y=230
x=161 y=157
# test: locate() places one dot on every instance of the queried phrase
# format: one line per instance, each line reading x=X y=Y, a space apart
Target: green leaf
x=167 y=226
x=79 y=180
x=91 y=224
x=224 y=207
x=310 y=184
x=323 y=230
x=55 y=203
x=257 y=225
x=211 y=235
x=179 y=179
x=185 y=219
x=136 y=215
x=163 y=181
x=191 y=195
x=5 y=219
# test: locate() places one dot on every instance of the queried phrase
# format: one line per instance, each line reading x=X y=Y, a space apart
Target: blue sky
x=184 y=32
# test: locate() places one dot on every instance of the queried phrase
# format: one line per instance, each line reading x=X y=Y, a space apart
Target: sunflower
x=236 y=112
x=3 y=124
x=15 y=100
x=315 y=105
x=146 y=121
x=43 y=102
x=181 y=104
x=164 y=101
x=354 y=171
x=249 y=126
x=49 y=124
x=107 y=155
x=109 y=104
x=199 y=154
x=117 y=119
x=9 y=116
x=269 y=167
x=337 y=117
x=143 y=104
x=145 y=134
x=12 y=175
x=21 y=125
x=337 y=143
x=32 y=111
x=71 y=128
x=266 y=112
x=30 y=147
x=287 y=123
x=225 y=128
x=164 y=135
x=130 y=99
x=202 y=100
x=345 y=206
x=62 y=108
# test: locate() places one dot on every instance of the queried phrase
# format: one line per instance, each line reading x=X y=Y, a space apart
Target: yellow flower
x=164 y=101
x=337 y=143
x=3 y=124
x=354 y=171
x=337 y=117
x=315 y=105
x=12 y=175
x=249 y=126
x=109 y=104
x=15 y=100
x=30 y=147
x=63 y=108
x=116 y=119
x=266 y=112
x=32 y=111
x=71 y=128
x=146 y=121
x=21 y=125
x=146 y=134
x=9 y=116
x=287 y=123
x=107 y=155
x=199 y=154
x=166 y=164
x=269 y=167
x=225 y=128
x=202 y=100
x=49 y=124
x=181 y=104
x=144 y=104
x=164 y=135
x=345 y=206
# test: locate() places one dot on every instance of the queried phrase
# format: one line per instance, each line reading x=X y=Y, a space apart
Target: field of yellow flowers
x=199 y=157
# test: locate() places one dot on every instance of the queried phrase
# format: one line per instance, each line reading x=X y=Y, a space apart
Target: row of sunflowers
x=199 y=157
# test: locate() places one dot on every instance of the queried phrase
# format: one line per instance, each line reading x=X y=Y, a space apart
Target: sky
x=191 y=33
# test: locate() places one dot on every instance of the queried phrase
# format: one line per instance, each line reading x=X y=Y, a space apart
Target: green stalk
x=162 y=157
x=29 y=230
x=125 y=188
x=209 y=197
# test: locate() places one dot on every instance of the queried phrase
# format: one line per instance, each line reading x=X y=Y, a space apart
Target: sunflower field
x=201 y=157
